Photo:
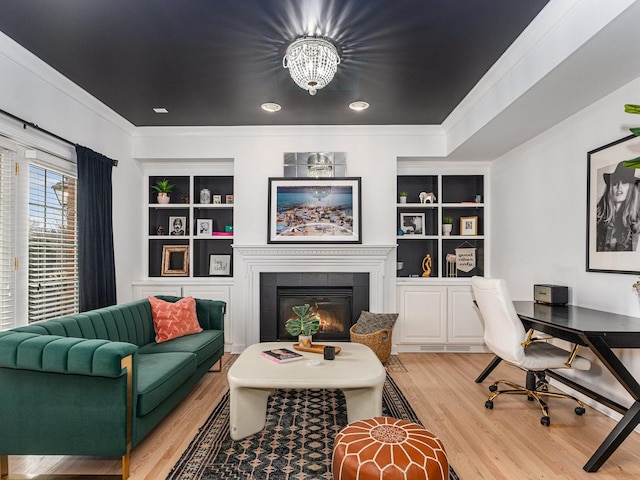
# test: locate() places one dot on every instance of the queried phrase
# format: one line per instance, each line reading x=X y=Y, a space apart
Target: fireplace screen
x=333 y=305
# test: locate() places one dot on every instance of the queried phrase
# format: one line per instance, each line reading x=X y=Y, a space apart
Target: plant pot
x=163 y=198
x=446 y=229
x=304 y=340
x=403 y=199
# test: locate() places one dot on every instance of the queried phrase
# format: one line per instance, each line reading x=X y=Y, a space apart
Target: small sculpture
x=426 y=265
x=160 y=230
x=427 y=197
x=185 y=198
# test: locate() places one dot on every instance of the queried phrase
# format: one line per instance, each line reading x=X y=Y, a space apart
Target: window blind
x=53 y=244
x=7 y=239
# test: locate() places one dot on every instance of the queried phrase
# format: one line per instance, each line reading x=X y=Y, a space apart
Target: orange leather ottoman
x=384 y=448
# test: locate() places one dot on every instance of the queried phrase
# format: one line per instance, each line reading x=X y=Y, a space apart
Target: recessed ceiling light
x=358 y=105
x=270 y=107
x=160 y=110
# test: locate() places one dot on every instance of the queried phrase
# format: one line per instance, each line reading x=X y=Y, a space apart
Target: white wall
x=538 y=211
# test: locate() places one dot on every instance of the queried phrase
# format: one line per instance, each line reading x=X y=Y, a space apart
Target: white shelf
x=213 y=205
x=417 y=205
x=417 y=237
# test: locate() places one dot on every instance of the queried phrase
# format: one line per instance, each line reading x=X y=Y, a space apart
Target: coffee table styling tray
x=314 y=348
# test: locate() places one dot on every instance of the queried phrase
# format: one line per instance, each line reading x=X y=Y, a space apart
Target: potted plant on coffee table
x=304 y=325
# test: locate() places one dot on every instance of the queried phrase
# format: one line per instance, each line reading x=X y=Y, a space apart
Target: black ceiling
x=214 y=62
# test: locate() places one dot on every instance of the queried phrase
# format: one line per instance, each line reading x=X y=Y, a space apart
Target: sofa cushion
x=159 y=375
x=173 y=320
x=203 y=345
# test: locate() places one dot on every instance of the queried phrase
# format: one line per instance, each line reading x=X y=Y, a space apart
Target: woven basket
x=379 y=342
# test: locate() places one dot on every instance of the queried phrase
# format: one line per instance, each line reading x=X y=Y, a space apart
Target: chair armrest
x=56 y=354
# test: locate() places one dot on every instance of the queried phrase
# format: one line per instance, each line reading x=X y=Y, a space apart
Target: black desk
x=600 y=331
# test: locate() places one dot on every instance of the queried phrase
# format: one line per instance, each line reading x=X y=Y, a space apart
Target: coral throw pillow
x=173 y=320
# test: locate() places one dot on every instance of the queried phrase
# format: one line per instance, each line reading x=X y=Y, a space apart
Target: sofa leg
x=126 y=461
x=4 y=465
x=220 y=362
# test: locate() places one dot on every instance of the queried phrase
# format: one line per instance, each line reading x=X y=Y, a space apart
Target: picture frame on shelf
x=217 y=199
x=178 y=226
x=175 y=261
x=204 y=227
x=314 y=210
x=219 y=264
x=612 y=240
x=412 y=223
x=469 y=226
x=229 y=199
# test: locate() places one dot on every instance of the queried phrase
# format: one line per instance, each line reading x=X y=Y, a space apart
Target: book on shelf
x=282 y=355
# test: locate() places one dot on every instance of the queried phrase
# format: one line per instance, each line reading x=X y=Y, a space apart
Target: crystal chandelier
x=312 y=63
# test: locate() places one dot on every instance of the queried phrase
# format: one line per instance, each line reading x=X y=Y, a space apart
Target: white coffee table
x=252 y=378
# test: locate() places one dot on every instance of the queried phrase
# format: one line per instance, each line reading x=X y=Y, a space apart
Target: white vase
x=446 y=229
x=304 y=340
x=163 y=198
x=403 y=199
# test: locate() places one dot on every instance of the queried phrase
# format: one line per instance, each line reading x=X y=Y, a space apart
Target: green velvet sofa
x=96 y=383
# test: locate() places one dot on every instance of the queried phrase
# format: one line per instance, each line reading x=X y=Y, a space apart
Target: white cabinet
x=209 y=291
x=437 y=318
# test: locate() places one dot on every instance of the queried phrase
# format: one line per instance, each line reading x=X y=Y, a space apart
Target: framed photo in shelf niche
x=204 y=227
x=314 y=210
x=613 y=196
x=175 y=261
x=219 y=264
x=177 y=226
x=469 y=225
x=412 y=223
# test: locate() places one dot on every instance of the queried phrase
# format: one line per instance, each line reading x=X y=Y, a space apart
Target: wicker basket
x=379 y=342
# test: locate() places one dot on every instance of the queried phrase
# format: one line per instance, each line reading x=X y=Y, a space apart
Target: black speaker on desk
x=551 y=294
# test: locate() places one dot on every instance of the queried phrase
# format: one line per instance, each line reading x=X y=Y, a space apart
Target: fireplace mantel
x=309 y=258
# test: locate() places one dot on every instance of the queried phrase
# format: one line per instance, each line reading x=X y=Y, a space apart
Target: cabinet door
x=214 y=292
x=422 y=314
x=144 y=291
x=464 y=322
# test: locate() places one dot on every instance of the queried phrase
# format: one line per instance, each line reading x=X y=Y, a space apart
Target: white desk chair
x=505 y=335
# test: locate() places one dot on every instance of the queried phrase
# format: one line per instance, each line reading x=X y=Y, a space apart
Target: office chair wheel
x=489 y=404
x=580 y=411
x=546 y=421
x=493 y=388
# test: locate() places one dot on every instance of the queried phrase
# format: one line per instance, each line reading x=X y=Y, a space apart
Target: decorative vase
x=163 y=198
x=205 y=195
x=304 y=340
x=446 y=229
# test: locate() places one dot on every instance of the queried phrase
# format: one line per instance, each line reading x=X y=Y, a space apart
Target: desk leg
x=488 y=369
x=625 y=426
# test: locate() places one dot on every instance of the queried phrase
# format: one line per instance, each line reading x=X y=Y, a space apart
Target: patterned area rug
x=296 y=443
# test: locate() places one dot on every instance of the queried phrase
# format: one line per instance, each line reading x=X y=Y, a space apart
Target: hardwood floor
x=507 y=442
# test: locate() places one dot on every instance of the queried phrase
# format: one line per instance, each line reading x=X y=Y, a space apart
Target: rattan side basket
x=379 y=342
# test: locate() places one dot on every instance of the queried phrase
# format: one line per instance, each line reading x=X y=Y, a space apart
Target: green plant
x=307 y=321
x=402 y=194
x=163 y=186
x=629 y=108
x=447 y=220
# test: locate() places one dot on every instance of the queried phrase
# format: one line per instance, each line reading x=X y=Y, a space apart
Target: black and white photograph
x=177 y=226
x=219 y=264
x=613 y=208
x=204 y=227
x=412 y=223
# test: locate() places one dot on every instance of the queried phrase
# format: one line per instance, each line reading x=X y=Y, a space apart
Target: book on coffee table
x=282 y=355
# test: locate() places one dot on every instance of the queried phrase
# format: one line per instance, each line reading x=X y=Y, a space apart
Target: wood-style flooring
x=506 y=443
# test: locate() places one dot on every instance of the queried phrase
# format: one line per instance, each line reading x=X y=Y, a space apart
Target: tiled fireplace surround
x=255 y=260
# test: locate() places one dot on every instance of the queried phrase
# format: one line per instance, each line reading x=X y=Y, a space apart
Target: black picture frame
x=315 y=210
x=611 y=246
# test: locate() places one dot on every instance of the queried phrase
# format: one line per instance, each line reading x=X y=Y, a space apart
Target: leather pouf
x=384 y=448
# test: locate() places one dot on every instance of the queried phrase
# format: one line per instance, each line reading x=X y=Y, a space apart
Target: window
x=53 y=244
x=7 y=239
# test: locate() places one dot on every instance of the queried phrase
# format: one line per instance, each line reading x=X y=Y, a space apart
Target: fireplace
x=338 y=298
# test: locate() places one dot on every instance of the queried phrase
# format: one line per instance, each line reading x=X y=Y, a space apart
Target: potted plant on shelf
x=304 y=325
x=403 y=197
x=447 y=225
x=164 y=188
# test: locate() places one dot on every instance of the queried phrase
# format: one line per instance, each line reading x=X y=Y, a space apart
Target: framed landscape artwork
x=613 y=208
x=322 y=210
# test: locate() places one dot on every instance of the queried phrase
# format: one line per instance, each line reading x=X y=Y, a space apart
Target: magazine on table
x=282 y=355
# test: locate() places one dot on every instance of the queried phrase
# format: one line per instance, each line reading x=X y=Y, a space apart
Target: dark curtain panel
x=96 y=264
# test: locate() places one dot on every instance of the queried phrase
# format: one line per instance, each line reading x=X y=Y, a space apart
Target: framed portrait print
x=204 y=227
x=178 y=226
x=469 y=225
x=314 y=210
x=175 y=261
x=613 y=208
x=219 y=264
x=412 y=223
